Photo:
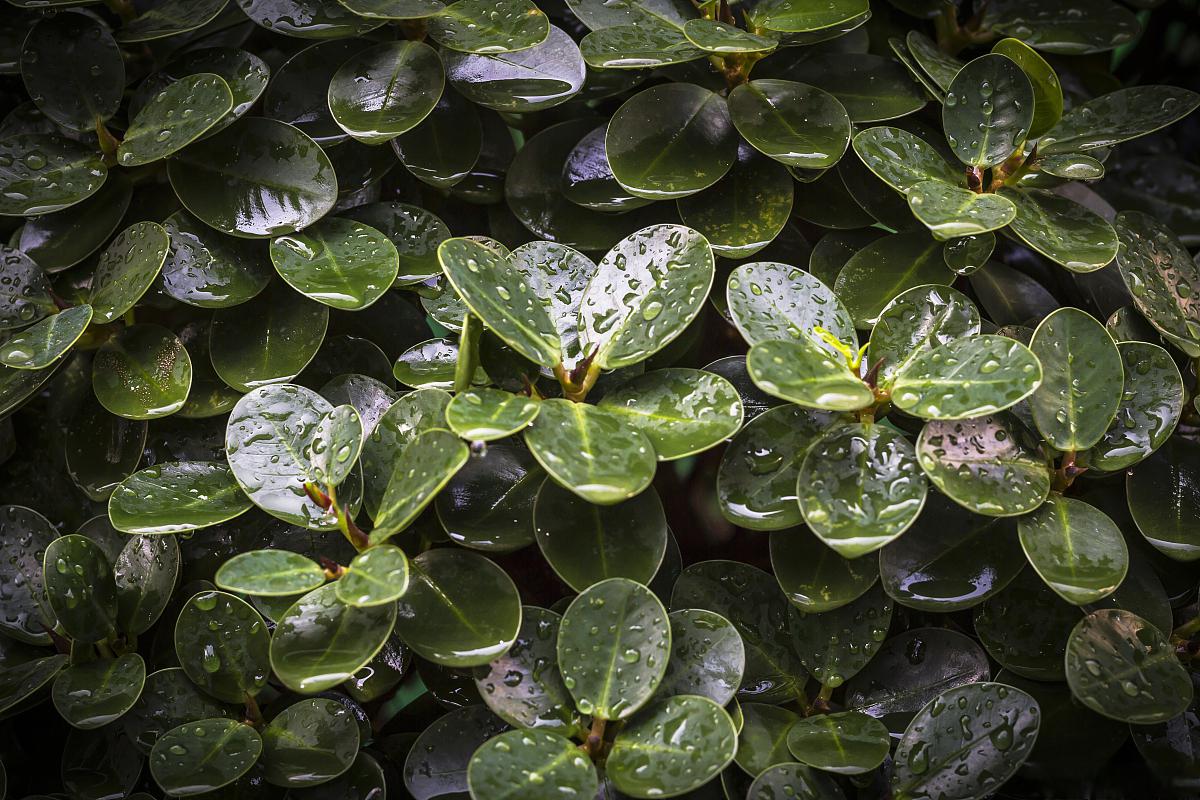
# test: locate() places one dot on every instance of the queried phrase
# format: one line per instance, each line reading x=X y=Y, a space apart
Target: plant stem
x=1067 y=472
x=595 y=738
x=254 y=717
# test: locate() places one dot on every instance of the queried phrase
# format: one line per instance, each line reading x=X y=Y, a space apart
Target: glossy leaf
x=543 y=76
x=73 y=69
x=270 y=573
x=1163 y=500
x=803 y=373
x=915 y=322
x=170 y=18
x=859 y=487
x=530 y=764
x=1047 y=91
x=647 y=760
x=460 y=610
x=1162 y=278
x=144 y=372
x=1062 y=230
x=951 y=211
x=772 y=301
x=902 y=159
x=209 y=269
x=886 y=267
x=423 y=468
x=80 y=588
x=835 y=645
x=320 y=641
x=1150 y=408
x=477 y=26
x=222 y=644
x=1117 y=117
x=157 y=132
x=793 y=123
x=707 y=656
x=24 y=537
x=1122 y=667
x=376 y=576
x=489 y=414
x=968 y=377
x=611 y=677
x=127 y=268
x=42 y=344
x=203 y=756
x=93 y=694
x=988 y=110
x=338 y=262
x=1082 y=376
x=174 y=497
x=846 y=743
x=762 y=740
x=309 y=743
x=386 y=90
x=46 y=173
x=813 y=576
x=1076 y=549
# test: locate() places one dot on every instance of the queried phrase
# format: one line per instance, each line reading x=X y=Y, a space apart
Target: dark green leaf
x=386 y=90
x=543 y=76
x=1076 y=549
x=1118 y=117
x=170 y=18
x=762 y=740
x=20 y=682
x=176 y=496
x=988 y=110
x=203 y=756
x=338 y=262
x=157 y=131
x=835 y=645
x=1047 y=92
x=791 y=16
x=44 y=343
x=271 y=573
x=1025 y=627
x=1150 y=408
x=707 y=656
x=1062 y=230
x=846 y=743
x=93 y=694
x=222 y=644
x=73 y=70
x=45 y=173
x=902 y=159
x=483 y=26
x=1162 y=278
x=794 y=781
x=649 y=760
x=209 y=269
x=24 y=537
x=872 y=88
x=951 y=211
x=531 y=765
x=127 y=268
x=144 y=372
x=80 y=588
x=489 y=414
x=307 y=19
x=883 y=269
x=145 y=571
x=309 y=743
x=769 y=301
x=813 y=576
x=915 y=322
x=794 y=123
x=1164 y=501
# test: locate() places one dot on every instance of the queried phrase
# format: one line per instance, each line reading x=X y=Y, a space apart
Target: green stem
x=468 y=353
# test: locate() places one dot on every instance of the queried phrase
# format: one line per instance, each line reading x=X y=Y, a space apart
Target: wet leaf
x=222 y=644
x=902 y=159
x=44 y=343
x=24 y=537
x=538 y=765
x=859 y=488
x=1150 y=408
x=997 y=727
x=159 y=131
x=169 y=19
x=1118 y=117
x=1062 y=230
x=1082 y=375
x=988 y=110
x=436 y=766
x=611 y=676
x=460 y=610
x=480 y=26
x=586 y=543
x=338 y=262
x=46 y=173
x=846 y=743
x=307 y=19
x=1122 y=667
x=127 y=268
x=790 y=16
x=209 y=269
x=772 y=301
x=321 y=642
x=707 y=656
x=835 y=645
x=93 y=694
x=886 y=267
x=146 y=572
x=793 y=123
x=176 y=496
x=915 y=322
x=1162 y=278
x=543 y=76
x=813 y=576
x=951 y=211
x=647 y=760
x=386 y=90
x=1163 y=499
x=968 y=377
x=144 y=372
x=488 y=504
x=1047 y=91
x=376 y=576
x=425 y=465
x=802 y=372
x=1076 y=549
x=1025 y=627
x=270 y=573
x=309 y=743
x=489 y=414
x=872 y=88
x=203 y=756
x=80 y=588
x=24 y=680
x=73 y=70
x=794 y=780
x=762 y=740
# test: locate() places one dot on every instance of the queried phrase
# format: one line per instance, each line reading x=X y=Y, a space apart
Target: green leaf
x=615 y=675
x=915 y=322
x=127 y=268
x=801 y=372
x=145 y=572
x=244 y=73
x=176 y=496
x=22 y=681
x=762 y=740
x=222 y=645
x=791 y=16
x=846 y=743
x=951 y=559
x=859 y=488
x=902 y=159
x=376 y=576
x=80 y=588
x=1150 y=408
x=460 y=610
x=988 y=110
x=990 y=465
x=170 y=18
x=814 y=576
x=411 y=415
x=543 y=76
x=756 y=483
x=714 y=36
x=1118 y=117
x=490 y=414
x=44 y=343
x=968 y=377
x=488 y=504
x=158 y=132
x=951 y=211
x=883 y=269
x=73 y=69
x=436 y=765
x=169 y=699
x=1025 y=627
x=46 y=173
x=1162 y=278
x=591 y=452
x=270 y=573
x=752 y=600
x=1075 y=28
x=320 y=641
x=268 y=340
x=484 y=26
x=967 y=254
x=497 y=292
x=1074 y=166
x=24 y=537
x=649 y=760
x=940 y=66
x=258 y=178
x=997 y=728
x=427 y=365
x=681 y=411
x=1083 y=376
x=307 y=19
x=444 y=147
x=707 y=656
x=271 y=444
x=746 y=210
x=208 y=269
x=768 y=301
x=144 y=372
x=531 y=765
x=795 y=780
x=1122 y=667
x=94 y=693
x=425 y=465
x=415 y=232
x=1062 y=230
x=835 y=645
x=793 y=123
x=670 y=141
x=202 y=756
x=1076 y=549
x=539 y=699
x=309 y=743
x=586 y=543
x=394 y=9
x=872 y=88
x=338 y=262
x=25 y=298
x=336 y=445
x=386 y=90
x=1163 y=500
x=1047 y=91
x=637 y=47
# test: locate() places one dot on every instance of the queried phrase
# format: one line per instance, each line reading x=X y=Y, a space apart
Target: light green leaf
x=530 y=765
x=386 y=90
x=1118 y=117
x=649 y=760
x=902 y=159
x=845 y=743
x=1062 y=230
x=988 y=110
x=45 y=342
x=425 y=465
x=157 y=131
x=176 y=496
x=490 y=414
x=338 y=262
x=951 y=211
x=270 y=573
x=968 y=377
x=1076 y=549
x=202 y=756
x=376 y=576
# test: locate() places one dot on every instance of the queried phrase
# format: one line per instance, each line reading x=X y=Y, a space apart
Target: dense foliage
x=595 y=399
